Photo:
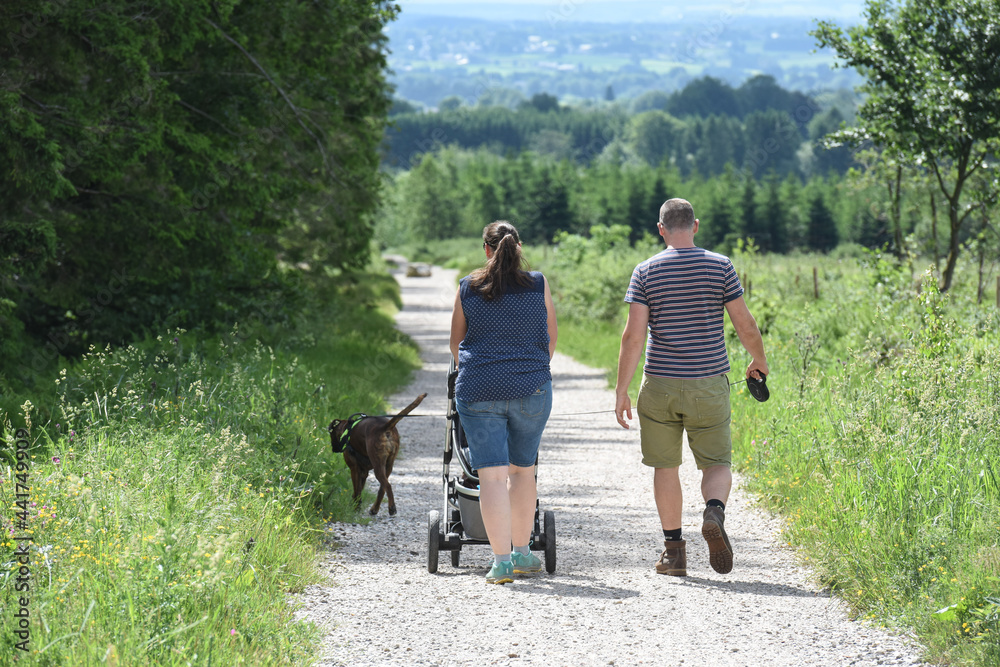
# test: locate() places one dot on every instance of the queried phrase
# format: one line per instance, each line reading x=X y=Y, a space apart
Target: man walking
x=679 y=295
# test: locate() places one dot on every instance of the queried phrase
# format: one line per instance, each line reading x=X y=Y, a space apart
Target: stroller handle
x=452 y=376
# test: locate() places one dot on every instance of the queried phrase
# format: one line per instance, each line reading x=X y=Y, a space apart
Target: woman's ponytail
x=506 y=266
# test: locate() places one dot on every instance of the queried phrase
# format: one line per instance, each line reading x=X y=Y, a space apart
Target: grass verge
x=173 y=492
x=878 y=445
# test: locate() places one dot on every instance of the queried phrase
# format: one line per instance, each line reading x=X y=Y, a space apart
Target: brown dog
x=372 y=444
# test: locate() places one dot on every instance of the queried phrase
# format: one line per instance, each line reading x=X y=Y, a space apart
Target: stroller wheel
x=550 y=541
x=455 y=557
x=433 y=540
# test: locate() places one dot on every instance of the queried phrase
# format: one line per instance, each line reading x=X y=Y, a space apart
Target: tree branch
x=42 y=105
x=88 y=191
x=205 y=115
x=295 y=110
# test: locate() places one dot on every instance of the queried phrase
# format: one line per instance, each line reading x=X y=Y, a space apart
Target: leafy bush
x=589 y=275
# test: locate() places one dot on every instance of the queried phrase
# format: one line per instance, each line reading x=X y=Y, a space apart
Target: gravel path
x=604 y=605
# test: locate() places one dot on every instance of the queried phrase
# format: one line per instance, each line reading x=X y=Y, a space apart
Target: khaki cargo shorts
x=667 y=407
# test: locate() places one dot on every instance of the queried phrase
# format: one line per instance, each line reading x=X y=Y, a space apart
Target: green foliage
x=543 y=102
x=704 y=97
x=708 y=96
x=758 y=127
x=589 y=275
x=653 y=134
x=180 y=486
x=156 y=162
x=821 y=229
x=503 y=129
x=454 y=193
x=877 y=444
x=932 y=91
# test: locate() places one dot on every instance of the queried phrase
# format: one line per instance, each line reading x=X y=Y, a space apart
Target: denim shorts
x=502 y=433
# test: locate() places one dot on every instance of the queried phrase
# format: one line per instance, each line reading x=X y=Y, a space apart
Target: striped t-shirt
x=685 y=290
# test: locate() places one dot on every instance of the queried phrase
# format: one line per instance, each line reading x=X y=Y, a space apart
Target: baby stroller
x=461 y=521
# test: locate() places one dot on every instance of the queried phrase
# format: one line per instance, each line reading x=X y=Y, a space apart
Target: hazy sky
x=628 y=10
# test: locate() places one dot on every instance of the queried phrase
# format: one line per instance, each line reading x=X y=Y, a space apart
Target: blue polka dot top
x=505 y=352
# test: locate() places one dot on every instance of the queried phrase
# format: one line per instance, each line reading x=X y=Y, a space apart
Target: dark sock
x=716 y=503
x=672 y=535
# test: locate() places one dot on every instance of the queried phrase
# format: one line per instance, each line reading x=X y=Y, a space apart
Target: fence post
x=815 y=284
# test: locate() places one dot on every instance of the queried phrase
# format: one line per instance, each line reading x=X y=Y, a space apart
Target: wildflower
x=56 y=460
x=232 y=631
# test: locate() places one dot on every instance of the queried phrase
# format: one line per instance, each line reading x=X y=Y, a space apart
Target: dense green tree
x=721 y=144
x=762 y=93
x=485 y=203
x=639 y=216
x=431 y=195
x=157 y=158
x=774 y=216
x=873 y=230
x=659 y=193
x=546 y=210
x=822 y=232
x=450 y=103
x=652 y=135
x=889 y=175
x=751 y=223
x=772 y=143
x=718 y=209
x=932 y=91
x=826 y=159
x=543 y=102
x=553 y=144
x=704 y=97
x=654 y=99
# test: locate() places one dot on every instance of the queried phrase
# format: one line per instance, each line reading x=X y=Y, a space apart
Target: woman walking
x=503 y=335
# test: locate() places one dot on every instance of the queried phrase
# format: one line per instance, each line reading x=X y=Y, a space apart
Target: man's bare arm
x=749 y=335
x=633 y=338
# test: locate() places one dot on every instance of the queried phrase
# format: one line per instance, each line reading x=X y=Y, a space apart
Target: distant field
x=667 y=66
x=530 y=49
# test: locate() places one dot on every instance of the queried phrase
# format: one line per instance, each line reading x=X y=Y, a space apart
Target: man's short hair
x=677 y=214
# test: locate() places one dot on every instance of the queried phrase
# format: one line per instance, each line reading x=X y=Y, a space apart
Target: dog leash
x=758 y=388
x=565 y=414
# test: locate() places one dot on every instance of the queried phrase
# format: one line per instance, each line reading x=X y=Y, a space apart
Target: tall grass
x=179 y=486
x=879 y=442
x=884 y=462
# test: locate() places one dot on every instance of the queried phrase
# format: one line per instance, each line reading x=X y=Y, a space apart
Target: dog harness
x=345 y=438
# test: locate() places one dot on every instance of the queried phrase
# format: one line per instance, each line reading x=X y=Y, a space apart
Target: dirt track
x=604 y=605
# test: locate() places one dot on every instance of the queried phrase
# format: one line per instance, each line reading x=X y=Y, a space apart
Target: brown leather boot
x=720 y=550
x=673 y=560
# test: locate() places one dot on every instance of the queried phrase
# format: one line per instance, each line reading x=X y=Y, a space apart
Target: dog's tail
x=407 y=410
